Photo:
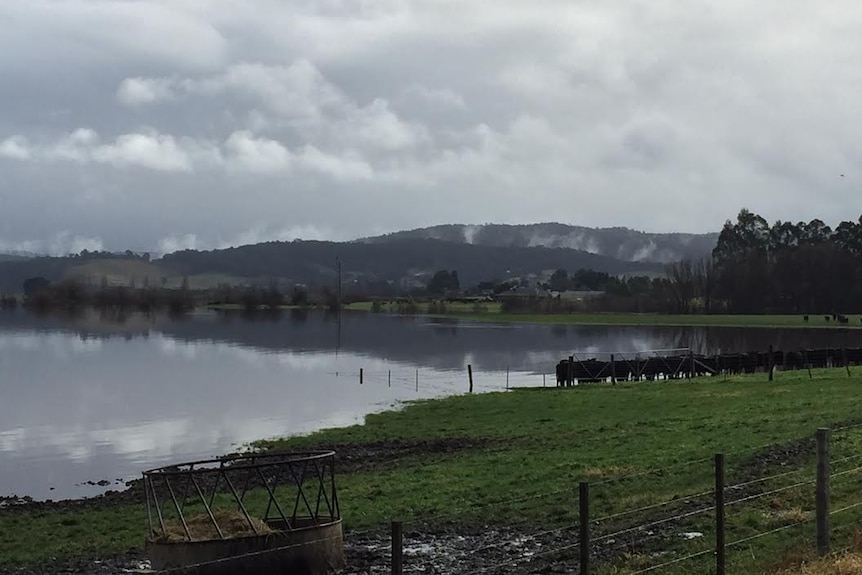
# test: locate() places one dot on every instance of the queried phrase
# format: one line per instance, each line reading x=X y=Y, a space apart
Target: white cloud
x=15 y=148
x=341 y=168
x=261 y=155
x=179 y=242
x=60 y=244
x=139 y=91
x=151 y=150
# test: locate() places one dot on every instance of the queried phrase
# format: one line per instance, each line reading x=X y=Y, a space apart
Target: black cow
x=562 y=372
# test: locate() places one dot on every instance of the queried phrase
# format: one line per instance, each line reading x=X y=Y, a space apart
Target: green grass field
x=639 y=444
x=491 y=312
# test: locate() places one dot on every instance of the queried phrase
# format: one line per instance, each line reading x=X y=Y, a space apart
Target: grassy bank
x=516 y=459
x=491 y=312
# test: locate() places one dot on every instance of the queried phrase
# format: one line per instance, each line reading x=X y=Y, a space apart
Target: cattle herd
x=572 y=370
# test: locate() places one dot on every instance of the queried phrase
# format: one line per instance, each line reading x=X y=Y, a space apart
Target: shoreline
x=413 y=463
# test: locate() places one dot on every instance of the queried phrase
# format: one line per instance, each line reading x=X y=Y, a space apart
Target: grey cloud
x=335 y=119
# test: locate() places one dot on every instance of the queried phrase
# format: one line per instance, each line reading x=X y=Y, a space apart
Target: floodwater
x=91 y=398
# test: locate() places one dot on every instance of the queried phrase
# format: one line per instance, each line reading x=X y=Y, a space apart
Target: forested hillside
x=398 y=261
x=619 y=243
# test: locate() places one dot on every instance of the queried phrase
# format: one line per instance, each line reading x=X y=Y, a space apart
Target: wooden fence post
x=823 y=492
x=397 y=548
x=613 y=371
x=807 y=364
x=390 y=378
x=584 y=521
x=417 y=380
x=719 y=515
x=570 y=374
x=846 y=363
x=360 y=376
x=470 y=376
x=507 y=378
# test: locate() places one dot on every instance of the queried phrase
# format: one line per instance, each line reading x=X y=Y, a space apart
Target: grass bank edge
x=640 y=319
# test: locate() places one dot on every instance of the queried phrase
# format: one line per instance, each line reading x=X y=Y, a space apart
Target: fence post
x=360 y=376
x=719 y=514
x=846 y=363
x=390 y=378
x=807 y=364
x=570 y=374
x=470 y=376
x=543 y=380
x=613 y=371
x=397 y=547
x=584 y=521
x=769 y=363
x=507 y=378
x=690 y=363
x=417 y=380
x=822 y=493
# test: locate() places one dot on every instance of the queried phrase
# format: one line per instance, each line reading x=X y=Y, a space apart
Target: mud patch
x=352 y=457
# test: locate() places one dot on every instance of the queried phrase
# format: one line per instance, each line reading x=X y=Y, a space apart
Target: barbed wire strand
x=532 y=535
x=845 y=472
x=770 y=532
x=765 y=479
x=654 y=523
x=843 y=459
x=673 y=562
x=515 y=562
x=765 y=493
x=650 y=471
x=846 y=508
x=681 y=499
x=846 y=427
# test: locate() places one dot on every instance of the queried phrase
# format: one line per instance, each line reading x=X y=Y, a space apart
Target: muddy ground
x=432 y=549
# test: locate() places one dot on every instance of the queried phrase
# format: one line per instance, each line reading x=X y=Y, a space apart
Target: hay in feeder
x=232 y=524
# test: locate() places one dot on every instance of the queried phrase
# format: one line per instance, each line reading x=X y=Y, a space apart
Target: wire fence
x=683 y=533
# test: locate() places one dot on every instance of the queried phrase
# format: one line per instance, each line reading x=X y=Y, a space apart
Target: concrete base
x=303 y=550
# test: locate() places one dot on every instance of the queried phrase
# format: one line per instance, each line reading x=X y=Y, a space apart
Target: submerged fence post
x=361 y=379
x=507 y=378
x=470 y=376
x=822 y=493
x=390 y=378
x=584 y=522
x=417 y=380
x=397 y=547
x=719 y=515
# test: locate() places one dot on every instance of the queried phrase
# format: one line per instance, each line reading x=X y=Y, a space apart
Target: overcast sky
x=165 y=124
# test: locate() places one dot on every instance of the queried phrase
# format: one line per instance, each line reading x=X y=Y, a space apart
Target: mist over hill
x=399 y=261
x=618 y=243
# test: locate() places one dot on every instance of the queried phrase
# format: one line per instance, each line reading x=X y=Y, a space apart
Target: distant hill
x=400 y=261
x=618 y=243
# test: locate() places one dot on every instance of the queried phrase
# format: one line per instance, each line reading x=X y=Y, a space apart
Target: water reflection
x=90 y=396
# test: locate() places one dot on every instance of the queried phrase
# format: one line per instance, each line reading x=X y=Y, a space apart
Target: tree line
x=803 y=267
